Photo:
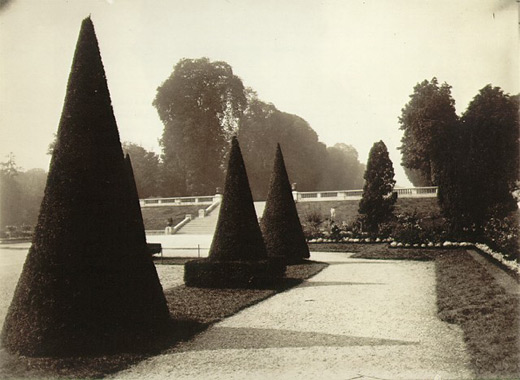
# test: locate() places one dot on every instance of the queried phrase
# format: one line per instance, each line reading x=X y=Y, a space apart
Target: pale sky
x=347 y=67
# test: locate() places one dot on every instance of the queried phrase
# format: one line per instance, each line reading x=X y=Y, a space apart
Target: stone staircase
x=201 y=226
x=207 y=225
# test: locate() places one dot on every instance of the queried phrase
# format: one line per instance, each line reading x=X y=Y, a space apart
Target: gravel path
x=357 y=319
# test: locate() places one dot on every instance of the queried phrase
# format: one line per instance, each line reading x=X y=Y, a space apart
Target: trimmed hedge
x=281 y=227
x=204 y=273
x=237 y=234
x=88 y=285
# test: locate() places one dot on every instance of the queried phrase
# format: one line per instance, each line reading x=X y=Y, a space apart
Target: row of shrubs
x=410 y=229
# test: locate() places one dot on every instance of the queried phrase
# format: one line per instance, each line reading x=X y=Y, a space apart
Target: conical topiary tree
x=377 y=203
x=88 y=284
x=237 y=235
x=237 y=256
x=281 y=227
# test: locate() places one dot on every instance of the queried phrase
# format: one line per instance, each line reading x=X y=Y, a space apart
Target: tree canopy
x=199 y=105
x=481 y=170
x=146 y=169
x=311 y=165
x=426 y=121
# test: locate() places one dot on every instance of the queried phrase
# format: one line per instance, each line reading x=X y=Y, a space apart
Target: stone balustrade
x=211 y=201
x=181 y=201
x=317 y=196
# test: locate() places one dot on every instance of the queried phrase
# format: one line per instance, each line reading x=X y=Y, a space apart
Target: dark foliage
x=480 y=170
x=312 y=165
x=88 y=284
x=427 y=121
x=282 y=231
x=237 y=235
x=377 y=203
x=198 y=105
x=237 y=256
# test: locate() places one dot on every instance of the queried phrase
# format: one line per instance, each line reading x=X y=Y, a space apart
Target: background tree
x=342 y=170
x=146 y=169
x=199 y=105
x=426 y=121
x=307 y=160
x=377 y=202
x=32 y=185
x=10 y=200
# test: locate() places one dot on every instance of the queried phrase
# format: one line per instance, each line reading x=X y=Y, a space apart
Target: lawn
x=192 y=310
x=467 y=295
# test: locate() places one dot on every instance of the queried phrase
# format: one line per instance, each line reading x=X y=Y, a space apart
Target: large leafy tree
x=262 y=127
x=199 y=105
x=377 y=202
x=146 y=168
x=426 y=122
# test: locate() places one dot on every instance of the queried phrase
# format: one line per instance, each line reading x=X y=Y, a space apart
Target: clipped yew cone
x=237 y=256
x=281 y=227
x=88 y=285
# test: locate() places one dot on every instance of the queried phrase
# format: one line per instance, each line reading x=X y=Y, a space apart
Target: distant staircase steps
x=201 y=226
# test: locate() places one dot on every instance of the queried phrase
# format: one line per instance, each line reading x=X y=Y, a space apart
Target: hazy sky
x=347 y=67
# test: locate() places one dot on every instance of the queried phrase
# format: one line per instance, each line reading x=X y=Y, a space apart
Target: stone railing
x=212 y=201
x=181 y=201
x=317 y=196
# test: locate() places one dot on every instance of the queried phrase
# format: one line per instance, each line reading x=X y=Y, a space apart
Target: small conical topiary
x=281 y=227
x=88 y=284
x=237 y=235
x=237 y=256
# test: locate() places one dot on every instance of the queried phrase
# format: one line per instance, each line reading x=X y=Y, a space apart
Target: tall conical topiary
x=237 y=235
x=282 y=231
x=237 y=257
x=88 y=284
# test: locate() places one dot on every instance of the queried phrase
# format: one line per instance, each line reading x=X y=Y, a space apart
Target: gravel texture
x=356 y=319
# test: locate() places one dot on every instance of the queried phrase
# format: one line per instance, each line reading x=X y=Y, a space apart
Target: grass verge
x=192 y=310
x=376 y=251
x=468 y=295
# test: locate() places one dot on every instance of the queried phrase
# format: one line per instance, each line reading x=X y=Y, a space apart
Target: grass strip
x=377 y=251
x=192 y=310
x=469 y=296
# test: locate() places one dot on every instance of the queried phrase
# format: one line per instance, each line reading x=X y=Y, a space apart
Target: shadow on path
x=222 y=338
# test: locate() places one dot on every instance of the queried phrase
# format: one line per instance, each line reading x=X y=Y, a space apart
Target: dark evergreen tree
x=482 y=163
x=237 y=256
x=282 y=231
x=88 y=284
x=377 y=202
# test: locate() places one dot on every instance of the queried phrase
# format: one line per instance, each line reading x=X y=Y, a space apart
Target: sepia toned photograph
x=243 y=189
